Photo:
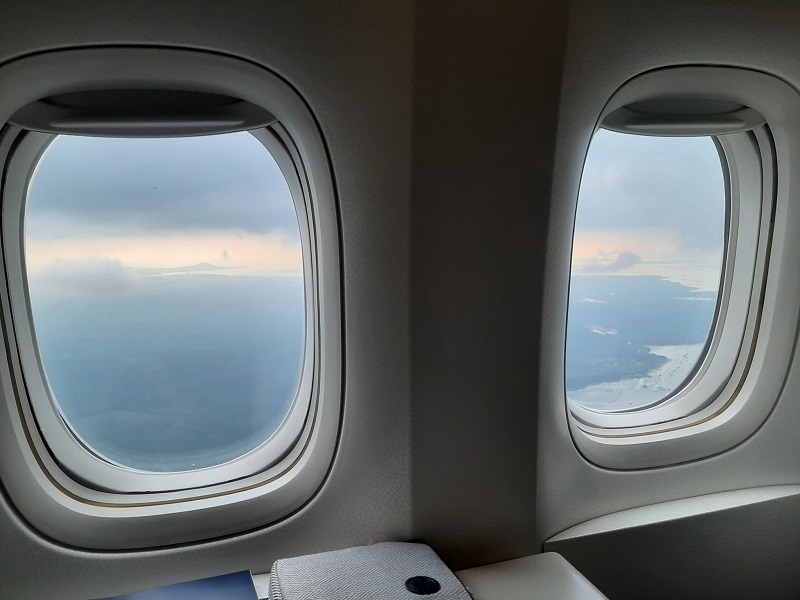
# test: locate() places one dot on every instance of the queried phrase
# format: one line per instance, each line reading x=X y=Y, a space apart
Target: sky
x=647 y=205
x=98 y=207
x=651 y=205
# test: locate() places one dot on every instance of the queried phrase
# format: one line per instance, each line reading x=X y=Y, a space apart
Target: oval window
x=166 y=289
x=647 y=258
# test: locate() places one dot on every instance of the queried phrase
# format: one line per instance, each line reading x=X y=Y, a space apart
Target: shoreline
x=640 y=391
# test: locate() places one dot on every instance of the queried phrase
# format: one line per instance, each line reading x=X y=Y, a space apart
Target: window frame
x=101 y=507
x=738 y=297
x=740 y=378
x=75 y=455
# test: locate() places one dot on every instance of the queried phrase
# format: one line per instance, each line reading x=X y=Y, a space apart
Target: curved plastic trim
x=626 y=120
x=140 y=113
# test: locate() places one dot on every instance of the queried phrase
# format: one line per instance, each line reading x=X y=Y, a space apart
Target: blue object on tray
x=235 y=586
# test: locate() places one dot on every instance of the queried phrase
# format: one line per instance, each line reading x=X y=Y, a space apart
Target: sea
x=176 y=372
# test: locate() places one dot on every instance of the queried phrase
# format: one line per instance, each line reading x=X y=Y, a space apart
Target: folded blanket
x=388 y=571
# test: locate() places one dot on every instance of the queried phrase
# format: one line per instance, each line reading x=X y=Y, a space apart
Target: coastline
x=641 y=391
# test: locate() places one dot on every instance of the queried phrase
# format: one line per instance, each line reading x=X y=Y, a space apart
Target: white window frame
x=75 y=455
x=747 y=359
x=66 y=491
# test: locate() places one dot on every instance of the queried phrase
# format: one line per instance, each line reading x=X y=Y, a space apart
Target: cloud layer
x=91 y=277
x=86 y=186
x=613 y=264
x=670 y=186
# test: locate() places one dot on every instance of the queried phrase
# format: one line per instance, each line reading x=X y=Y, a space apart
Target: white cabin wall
x=352 y=62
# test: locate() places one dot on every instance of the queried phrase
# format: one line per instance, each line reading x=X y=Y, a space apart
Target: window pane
x=166 y=288
x=646 y=268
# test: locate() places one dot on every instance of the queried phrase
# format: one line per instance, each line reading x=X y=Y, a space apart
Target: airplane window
x=648 y=253
x=166 y=290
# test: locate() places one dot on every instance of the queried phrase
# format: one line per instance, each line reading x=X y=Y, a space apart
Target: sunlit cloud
x=101 y=207
x=611 y=263
x=242 y=253
x=660 y=251
x=649 y=244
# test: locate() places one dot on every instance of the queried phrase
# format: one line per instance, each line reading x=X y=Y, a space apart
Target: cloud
x=91 y=277
x=227 y=182
x=658 y=184
x=611 y=264
x=695 y=298
x=260 y=255
x=600 y=330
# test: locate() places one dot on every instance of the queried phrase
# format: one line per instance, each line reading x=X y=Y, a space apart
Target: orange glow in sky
x=271 y=254
x=648 y=245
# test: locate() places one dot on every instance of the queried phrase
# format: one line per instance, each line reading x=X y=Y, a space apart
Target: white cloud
x=611 y=263
x=93 y=277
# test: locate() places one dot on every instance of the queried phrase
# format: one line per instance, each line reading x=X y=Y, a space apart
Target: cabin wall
x=352 y=62
x=456 y=132
x=610 y=42
x=486 y=91
x=453 y=265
